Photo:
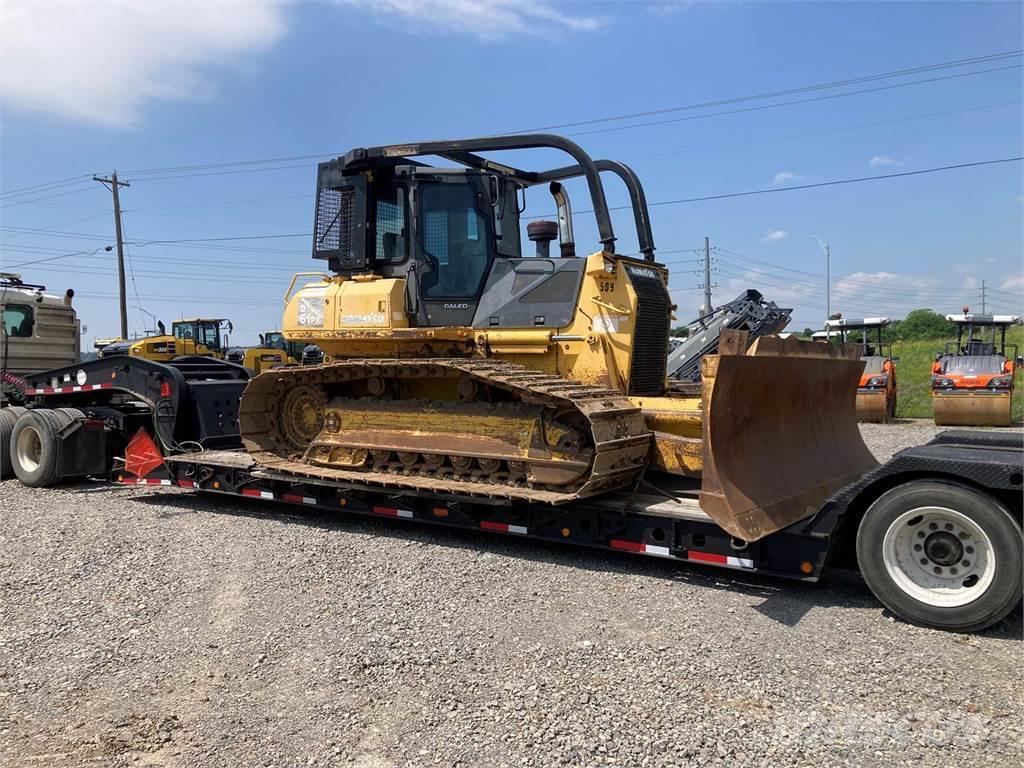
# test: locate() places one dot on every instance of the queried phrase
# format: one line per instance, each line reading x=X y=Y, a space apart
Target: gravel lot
x=155 y=627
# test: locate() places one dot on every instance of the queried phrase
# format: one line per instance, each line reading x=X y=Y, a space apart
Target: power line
x=827 y=131
x=47 y=197
x=45 y=186
x=787 y=92
x=810 y=100
x=795 y=187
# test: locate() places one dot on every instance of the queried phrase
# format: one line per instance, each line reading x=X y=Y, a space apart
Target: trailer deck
x=663 y=520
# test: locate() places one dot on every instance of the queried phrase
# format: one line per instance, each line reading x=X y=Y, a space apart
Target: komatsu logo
x=370 y=318
x=462 y=305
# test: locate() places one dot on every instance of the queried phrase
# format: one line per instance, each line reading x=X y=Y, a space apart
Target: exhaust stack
x=565 y=236
x=69 y=294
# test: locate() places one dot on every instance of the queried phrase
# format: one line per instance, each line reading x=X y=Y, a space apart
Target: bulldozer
x=972 y=378
x=876 y=391
x=455 y=366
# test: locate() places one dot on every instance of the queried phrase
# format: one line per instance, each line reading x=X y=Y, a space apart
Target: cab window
x=209 y=335
x=184 y=331
x=455 y=240
x=18 y=320
x=390 y=224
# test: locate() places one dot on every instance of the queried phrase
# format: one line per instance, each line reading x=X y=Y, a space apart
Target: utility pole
x=707 y=277
x=983 y=296
x=113 y=185
x=827 y=248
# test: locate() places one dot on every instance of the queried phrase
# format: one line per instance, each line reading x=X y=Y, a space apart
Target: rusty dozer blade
x=780 y=431
x=972 y=409
x=873 y=406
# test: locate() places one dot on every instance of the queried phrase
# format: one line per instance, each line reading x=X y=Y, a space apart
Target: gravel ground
x=154 y=627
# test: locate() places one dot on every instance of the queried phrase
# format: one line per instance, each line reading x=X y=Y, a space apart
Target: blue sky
x=200 y=84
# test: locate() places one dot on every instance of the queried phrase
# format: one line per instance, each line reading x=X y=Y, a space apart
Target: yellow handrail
x=297 y=275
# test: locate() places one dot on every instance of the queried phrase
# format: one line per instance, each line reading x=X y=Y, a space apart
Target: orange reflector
x=120 y=478
x=440 y=512
x=342 y=502
x=566 y=532
x=806 y=567
x=216 y=484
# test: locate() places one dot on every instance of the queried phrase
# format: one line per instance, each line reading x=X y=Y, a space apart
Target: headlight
x=877 y=381
x=1001 y=382
x=939 y=381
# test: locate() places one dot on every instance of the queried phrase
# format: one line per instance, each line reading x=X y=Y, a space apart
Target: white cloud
x=784 y=177
x=1013 y=283
x=883 y=161
x=103 y=62
x=774 y=235
x=486 y=19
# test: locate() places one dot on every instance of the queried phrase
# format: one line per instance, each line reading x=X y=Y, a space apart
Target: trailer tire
x=942 y=555
x=8 y=417
x=35 y=446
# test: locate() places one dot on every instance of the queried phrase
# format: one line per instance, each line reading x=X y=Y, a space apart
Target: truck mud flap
x=780 y=431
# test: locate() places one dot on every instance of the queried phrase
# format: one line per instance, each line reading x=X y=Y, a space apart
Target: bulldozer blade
x=972 y=409
x=873 y=406
x=780 y=432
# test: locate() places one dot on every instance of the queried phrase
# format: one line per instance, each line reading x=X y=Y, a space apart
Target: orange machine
x=972 y=378
x=876 y=392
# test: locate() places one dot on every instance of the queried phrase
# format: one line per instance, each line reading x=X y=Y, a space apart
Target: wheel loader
x=876 y=391
x=455 y=366
x=972 y=378
x=202 y=337
x=273 y=351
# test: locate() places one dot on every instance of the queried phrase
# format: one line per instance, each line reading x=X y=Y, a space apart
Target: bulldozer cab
x=276 y=340
x=206 y=332
x=442 y=230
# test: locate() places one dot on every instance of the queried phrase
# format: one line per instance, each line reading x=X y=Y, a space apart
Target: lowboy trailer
x=935 y=531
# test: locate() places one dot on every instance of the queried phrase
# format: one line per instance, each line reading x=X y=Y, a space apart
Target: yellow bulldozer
x=455 y=365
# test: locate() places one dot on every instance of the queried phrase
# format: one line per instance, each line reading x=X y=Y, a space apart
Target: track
x=290 y=419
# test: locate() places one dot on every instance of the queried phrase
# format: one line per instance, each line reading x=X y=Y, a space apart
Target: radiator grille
x=334 y=222
x=650 y=335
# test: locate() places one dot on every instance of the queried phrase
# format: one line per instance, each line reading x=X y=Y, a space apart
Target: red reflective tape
x=187 y=483
x=707 y=557
x=298 y=499
x=629 y=546
x=388 y=511
x=487 y=525
x=257 y=493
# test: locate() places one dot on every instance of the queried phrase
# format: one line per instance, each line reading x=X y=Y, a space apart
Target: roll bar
x=636 y=197
x=462 y=151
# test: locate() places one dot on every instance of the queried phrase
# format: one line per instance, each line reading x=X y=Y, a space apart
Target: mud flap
x=972 y=409
x=780 y=431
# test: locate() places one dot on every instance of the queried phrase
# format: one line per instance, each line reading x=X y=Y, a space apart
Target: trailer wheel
x=35 y=445
x=8 y=417
x=942 y=555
